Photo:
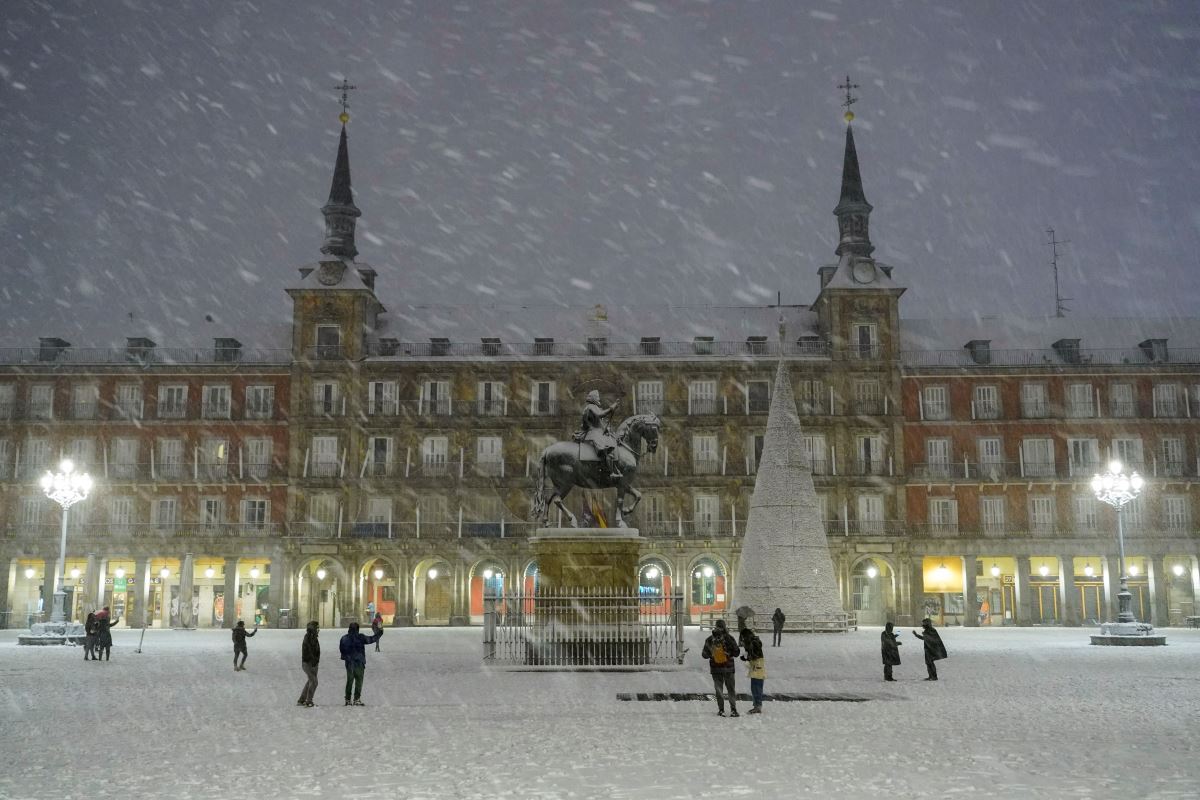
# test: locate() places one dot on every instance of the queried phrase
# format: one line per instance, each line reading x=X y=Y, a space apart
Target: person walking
x=103 y=635
x=890 y=645
x=934 y=649
x=239 y=645
x=720 y=649
x=353 y=647
x=756 y=669
x=377 y=628
x=777 y=620
x=310 y=658
x=89 y=637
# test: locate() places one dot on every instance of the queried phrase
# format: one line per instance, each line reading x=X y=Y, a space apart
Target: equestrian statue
x=595 y=458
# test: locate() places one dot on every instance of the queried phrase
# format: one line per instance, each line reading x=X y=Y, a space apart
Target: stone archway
x=380 y=588
x=433 y=591
x=708 y=586
x=323 y=592
x=873 y=588
x=488 y=575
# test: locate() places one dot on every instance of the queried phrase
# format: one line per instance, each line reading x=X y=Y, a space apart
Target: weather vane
x=850 y=99
x=345 y=89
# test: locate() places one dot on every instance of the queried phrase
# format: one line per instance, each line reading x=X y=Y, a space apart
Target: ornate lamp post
x=65 y=487
x=1117 y=489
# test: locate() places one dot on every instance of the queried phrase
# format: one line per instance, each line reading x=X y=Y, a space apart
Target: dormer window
x=756 y=345
x=597 y=345
x=980 y=350
x=543 y=346
x=491 y=346
x=651 y=345
x=1155 y=349
x=439 y=346
x=226 y=350
x=1068 y=350
x=703 y=345
x=51 y=347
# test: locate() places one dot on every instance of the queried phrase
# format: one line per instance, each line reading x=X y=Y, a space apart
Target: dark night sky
x=168 y=160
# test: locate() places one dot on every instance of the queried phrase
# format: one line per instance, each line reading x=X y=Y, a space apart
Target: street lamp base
x=1128 y=634
x=59 y=614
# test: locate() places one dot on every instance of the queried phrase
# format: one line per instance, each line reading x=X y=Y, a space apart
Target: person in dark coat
x=103 y=637
x=934 y=649
x=777 y=620
x=239 y=645
x=720 y=649
x=890 y=645
x=310 y=658
x=752 y=654
x=353 y=647
x=89 y=637
x=377 y=628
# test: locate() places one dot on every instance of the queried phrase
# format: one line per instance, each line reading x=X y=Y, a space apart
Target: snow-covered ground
x=1018 y=713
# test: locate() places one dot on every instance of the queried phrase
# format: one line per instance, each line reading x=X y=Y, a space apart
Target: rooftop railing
x=1048 y=357
x=560 y=350
x=36 y=356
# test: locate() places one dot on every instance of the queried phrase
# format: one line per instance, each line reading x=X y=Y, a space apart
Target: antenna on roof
x=1060 y=302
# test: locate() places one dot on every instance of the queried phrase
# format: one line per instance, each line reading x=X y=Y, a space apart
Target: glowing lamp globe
x=995 y=571
x=254 y=573
x=433 y=573
x=75 y=573
x=29 y=573
x=872 y=572
x=208 y=573
x=120 y=573
x=321 y=574
x=1178 y=570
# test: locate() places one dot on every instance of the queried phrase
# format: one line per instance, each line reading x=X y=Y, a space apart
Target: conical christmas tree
x=785 y=554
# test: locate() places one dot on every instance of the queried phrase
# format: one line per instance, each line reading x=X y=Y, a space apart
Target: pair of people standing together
x=720 y=649
x=353 y=649
x=934 y=649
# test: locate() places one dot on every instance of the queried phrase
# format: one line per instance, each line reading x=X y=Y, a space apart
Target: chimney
x=138 y=349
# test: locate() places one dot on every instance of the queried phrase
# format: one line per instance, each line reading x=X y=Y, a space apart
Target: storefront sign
x=120 y=584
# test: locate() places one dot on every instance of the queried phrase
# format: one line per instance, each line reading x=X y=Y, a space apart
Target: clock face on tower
x=863 y=271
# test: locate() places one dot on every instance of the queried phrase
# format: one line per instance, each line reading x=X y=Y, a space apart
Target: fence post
x=677 y=613
x=489 y=627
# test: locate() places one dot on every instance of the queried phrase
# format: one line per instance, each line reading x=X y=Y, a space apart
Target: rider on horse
x=594 y=431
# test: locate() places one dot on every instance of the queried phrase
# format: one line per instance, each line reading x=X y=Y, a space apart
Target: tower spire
x=853 y=211
x=339 y=210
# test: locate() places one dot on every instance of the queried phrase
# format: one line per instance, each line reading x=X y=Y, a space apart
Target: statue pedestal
x=586 y=605
x=587 y=558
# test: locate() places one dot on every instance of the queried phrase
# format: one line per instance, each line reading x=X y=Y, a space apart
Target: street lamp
x=378 y=574
x=65 y=487
x=872 y=572
x=1117 y=489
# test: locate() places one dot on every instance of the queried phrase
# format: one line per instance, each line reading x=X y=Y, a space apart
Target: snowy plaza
x=1017 y=713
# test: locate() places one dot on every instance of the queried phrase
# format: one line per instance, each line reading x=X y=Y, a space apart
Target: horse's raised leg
x=637 y=498
x=618 y=517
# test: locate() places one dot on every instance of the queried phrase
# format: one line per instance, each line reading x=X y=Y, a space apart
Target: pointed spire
x=339 y=210
x=853 y=211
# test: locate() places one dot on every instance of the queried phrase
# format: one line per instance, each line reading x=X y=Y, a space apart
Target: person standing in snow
x=353 y=647
x=103 y=636
x=89 y=637
x=310 y=658
x=777 y=620
x=755 y=666
x=239 y=645
x=720 y=649
x=890 y=646
x=934 y=649
x=377 y=628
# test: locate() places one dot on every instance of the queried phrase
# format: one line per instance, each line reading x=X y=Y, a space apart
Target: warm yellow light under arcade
x=942 y=574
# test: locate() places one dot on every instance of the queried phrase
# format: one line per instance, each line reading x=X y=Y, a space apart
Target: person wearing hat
x=720 y=649
x=934 y=649
x=310 y=658
x=889 y=644
x=594 y=430
x=756 y=669
x=239 y=644
x=353 y=647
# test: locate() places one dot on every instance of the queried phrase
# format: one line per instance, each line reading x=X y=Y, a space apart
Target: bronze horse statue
x=571 y=464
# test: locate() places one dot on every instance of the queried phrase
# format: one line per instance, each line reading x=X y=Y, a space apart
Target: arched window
x=650 y=578
x=706 y=575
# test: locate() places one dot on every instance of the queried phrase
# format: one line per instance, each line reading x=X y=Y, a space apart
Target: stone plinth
x=586 y=602
x=587 y=558
x=1128 y=634
x=53 y=633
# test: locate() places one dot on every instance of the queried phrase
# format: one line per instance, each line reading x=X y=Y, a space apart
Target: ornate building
x=385 y=454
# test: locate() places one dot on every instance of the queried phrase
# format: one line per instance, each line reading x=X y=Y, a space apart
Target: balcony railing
x=489 y=468
x=380 y=469
x=171 y=411
x=876 y=466
x=864 y=527
x=214 y=411
x=148 y=529
x=442 y=407
x=1122 y=409
x=83 y=410
x=705 y=466
x=435 y=468
x=324 y=469
x=36 y=356
x=489 y=408
x=1035 y=409
x=871 y=408
x=706 y=406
